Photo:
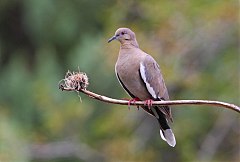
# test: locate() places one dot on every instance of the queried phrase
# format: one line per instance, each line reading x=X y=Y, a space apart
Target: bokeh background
x=195 y=43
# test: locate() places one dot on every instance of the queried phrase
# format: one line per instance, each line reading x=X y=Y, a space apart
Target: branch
x=78 y=81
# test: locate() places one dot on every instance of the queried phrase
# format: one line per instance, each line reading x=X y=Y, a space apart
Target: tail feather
x=165 y=131
x=168 y=136
x=161 y=135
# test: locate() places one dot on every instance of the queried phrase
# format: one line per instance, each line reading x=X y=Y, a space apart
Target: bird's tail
x=168 y=136
x=165 y=131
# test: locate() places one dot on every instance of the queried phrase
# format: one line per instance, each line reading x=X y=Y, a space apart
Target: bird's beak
x=111 y=39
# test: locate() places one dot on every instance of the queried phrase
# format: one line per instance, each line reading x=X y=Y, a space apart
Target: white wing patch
x=143 y=75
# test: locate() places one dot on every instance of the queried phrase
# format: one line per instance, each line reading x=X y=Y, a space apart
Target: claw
x=148 y=103
x=133 y=100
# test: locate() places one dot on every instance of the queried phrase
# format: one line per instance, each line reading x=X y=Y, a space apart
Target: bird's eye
x=122 y=33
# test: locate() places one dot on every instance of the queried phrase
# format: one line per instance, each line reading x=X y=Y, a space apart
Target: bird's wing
x=152 y=77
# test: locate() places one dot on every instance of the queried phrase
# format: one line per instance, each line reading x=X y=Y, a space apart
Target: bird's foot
x=148 y=103
x=133 y=100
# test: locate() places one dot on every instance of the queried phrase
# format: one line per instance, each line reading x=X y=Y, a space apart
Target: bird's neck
x=129 y=44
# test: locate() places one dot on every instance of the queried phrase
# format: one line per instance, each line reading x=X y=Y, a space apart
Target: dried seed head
x=74 y=80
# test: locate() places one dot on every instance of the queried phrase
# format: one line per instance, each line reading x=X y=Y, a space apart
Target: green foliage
x=195 y=43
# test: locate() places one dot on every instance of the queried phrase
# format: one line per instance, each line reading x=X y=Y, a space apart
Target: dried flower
x=74 y=80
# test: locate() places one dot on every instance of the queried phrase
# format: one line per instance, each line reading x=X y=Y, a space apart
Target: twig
x=172 y=102
x=78 y=81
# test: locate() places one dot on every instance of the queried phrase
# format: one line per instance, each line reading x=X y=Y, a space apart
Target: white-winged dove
x=140 y=76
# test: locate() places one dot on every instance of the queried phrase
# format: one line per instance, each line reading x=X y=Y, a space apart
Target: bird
x=140 y=76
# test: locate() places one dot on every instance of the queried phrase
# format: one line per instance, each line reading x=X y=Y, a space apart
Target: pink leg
x=133 y=100
x=148 y=103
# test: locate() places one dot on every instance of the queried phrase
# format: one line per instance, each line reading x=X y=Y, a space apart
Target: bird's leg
x=148 y=103
x=133 y=100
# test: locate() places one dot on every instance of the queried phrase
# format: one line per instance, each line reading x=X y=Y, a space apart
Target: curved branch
x=78 y=81
x=139 y=103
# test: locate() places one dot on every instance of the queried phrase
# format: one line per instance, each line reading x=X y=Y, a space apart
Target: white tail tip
x=168 y=136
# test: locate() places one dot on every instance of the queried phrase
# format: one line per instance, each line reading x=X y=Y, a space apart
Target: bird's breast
x=128 y=72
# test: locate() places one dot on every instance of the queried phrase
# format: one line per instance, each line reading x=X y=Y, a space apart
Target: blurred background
x=195 y=43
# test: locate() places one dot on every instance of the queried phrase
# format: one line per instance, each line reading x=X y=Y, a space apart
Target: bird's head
x=124 y=35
